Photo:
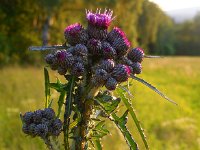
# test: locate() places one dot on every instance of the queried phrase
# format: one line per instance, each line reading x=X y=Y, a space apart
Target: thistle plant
x=95 y=62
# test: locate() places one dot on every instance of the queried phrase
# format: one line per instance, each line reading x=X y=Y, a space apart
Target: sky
x=169 y=5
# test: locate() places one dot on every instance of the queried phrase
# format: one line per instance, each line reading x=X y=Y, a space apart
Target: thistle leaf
x=61 y=102
x=68 y=109
x=98 y=144
x=133 y=115
x=126 y=90
x=108 y=102
x=47 y=88
x=153 y=88
x=58 y=86
x=121 y=124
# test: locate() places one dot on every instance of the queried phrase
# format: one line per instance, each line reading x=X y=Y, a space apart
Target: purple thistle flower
x=75 y=34
x=99 y=19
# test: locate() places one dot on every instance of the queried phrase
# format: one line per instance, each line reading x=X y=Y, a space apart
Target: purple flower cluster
x=41 y=123
x=108 y=54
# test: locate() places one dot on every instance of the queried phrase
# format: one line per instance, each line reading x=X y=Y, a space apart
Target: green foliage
x=47 y=88
x=133 y=115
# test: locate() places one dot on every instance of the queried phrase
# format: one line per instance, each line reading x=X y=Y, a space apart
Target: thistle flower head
x=111 y=84
x=99 y=19
x=121 y=72
x=108 y=50
x=115 y=34
x=107 y=64
x=41 y=130
x=73 y=29
x=94 y=46
x=64 y=58
x=136 y=54
x=75 y=34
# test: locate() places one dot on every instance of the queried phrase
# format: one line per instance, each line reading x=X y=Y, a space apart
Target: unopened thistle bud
x=80 y=50
x=111 y=84
x=136 y=68
x=28 y=117
x=107 y=64
x=78 y=69
x=49 y=59
x=75 y=34
x=108 y=51
x=115 y=34
x=124 y=60
x=94 y=46
x=25 y=129
x=37 y=116
x=136 y=54
x=31 y=129
x=62 y=71
x=57 y=124
x=48 y=113
x=121 y=46
x=64 y=58
x=121 y=73
x=101 y=75
x=41 y=130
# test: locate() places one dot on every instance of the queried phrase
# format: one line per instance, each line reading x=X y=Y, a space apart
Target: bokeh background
x=161 y=27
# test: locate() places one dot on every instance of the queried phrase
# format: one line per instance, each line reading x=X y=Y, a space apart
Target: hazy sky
x=168 y=5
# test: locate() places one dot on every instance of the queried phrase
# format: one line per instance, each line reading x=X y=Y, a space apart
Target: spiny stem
x=48 y=143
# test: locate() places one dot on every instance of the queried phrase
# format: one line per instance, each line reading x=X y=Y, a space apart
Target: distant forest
x=41 y=22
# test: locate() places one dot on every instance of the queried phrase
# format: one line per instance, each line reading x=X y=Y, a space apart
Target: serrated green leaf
x=121 y=124
x=77 y=120
x=153 y=88
x=125 y=89
x=133 y=115
x=108 y=102
x=47 y=88
x=58 y=86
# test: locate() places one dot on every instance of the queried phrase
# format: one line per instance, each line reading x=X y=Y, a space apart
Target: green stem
x=67 y=113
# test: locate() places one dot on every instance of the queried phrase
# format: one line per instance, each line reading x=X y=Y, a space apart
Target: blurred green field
x=167 y=126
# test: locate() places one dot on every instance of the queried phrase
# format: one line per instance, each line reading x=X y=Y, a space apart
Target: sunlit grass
x=168 y=127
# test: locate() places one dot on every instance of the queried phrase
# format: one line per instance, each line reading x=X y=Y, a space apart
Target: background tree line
x=41 y=22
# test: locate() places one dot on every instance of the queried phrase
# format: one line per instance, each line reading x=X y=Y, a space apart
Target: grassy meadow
x=168 y=127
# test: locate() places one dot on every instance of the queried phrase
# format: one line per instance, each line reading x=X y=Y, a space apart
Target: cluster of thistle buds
x=42 y=123
x=105 y=55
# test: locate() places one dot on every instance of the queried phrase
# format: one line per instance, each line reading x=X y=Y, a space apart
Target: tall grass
x=167 y=126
